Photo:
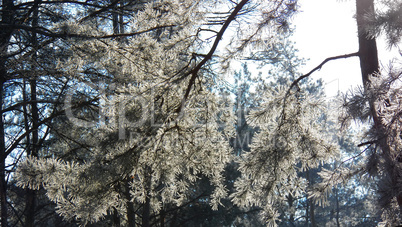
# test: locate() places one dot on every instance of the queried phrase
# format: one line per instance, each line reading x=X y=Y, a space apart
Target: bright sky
x=327 y=28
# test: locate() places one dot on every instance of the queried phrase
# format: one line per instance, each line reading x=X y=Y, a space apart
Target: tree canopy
x=126 y=113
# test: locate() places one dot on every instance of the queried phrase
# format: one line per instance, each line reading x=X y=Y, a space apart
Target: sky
x=327 y=28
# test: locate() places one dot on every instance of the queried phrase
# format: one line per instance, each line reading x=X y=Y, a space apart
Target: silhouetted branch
x=356 y=54
x=48 y=33
x=218 y=38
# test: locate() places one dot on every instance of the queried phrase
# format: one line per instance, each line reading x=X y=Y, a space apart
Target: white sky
x=327 y=28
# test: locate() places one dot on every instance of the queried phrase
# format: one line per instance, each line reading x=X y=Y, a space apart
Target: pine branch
x=208 y=57
x=296 y=82
x=104 y=9
x=356 y=54
x=16 y=106
x=368 y=143
x=65 y=35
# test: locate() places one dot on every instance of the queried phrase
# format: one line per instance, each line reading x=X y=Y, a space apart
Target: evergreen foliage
x=152 y=125
x=117 y=113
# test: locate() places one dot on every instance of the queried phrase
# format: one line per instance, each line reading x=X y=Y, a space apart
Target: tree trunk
x=146 y=211
x=129 y=206
x=312 y=214
x=337 y=207
x=29 y=192
x=367 y=45
x=3 y=156
x=310 y=209
x=307 y=211
x=34 y=146
x=117 y=18
x=32 y=151
x=369 y=65
x=7 y=13
x=146 y=208
x=115 y=218
x=163 y=216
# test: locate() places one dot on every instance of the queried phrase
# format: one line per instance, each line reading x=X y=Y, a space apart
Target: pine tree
x=158 y=132
x=373 y=103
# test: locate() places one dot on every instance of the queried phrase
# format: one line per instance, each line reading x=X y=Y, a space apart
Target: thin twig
x=218 y=38
x=296 y=82
x=356 y=54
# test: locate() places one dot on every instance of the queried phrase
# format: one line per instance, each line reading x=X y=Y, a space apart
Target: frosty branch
x=296 y=82
x=218 y=38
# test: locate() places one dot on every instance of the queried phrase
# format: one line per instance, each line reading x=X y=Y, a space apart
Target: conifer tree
x=158 y=133
x=373 y=103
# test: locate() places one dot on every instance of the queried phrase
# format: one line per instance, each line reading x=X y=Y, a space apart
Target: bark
x=367 y=45
x=29 y=192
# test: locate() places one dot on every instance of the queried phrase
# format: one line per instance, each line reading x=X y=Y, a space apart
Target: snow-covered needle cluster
x=290 y=140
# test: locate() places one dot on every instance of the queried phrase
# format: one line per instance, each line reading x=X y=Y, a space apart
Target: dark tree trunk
x=162 y=221
x=3 y=156
x=116 y=218
x=117 y=18
x=146 y=208
x=310 y=209
x=130 y=206
x=32 y=151
x=337 y=208
x=367 y=45
x=29 y=192
x=5 y=35
x=312 y=214
x=146 y=211
x=34 y=146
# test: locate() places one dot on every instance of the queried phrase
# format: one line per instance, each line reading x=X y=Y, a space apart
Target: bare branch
x=17 y=141
x=295 y=83
x=368 y=143
x=48 y=33
x=356 y=54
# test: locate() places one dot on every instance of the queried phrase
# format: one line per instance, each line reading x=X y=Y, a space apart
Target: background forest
x=192 y=113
